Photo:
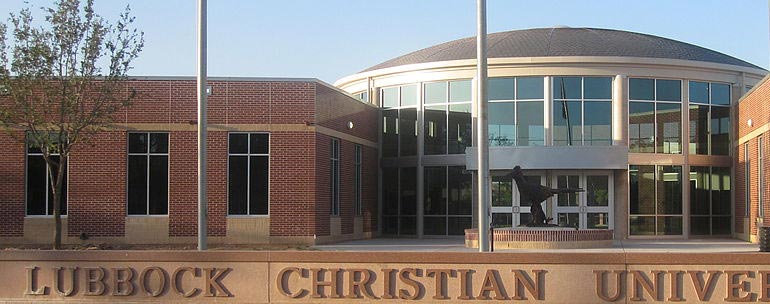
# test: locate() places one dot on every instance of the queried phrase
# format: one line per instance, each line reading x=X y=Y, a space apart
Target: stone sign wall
x=313 y=277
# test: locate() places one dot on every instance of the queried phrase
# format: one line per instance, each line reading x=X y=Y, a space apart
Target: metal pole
x=202 y=200
x=482 y=133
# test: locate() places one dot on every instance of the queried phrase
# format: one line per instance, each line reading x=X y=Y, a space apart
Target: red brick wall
x=97 y=186
x=12 y=208
x=323 y=184
x=755 y=106
x=292 y=184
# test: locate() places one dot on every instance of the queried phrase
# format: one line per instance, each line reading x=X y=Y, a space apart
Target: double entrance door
x=590 y=209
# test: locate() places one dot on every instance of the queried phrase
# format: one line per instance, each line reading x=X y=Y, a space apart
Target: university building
x=658 y=132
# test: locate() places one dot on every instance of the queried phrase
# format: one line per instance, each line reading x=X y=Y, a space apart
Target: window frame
x=761 y=188
x=655 y=102
x=516 y=102
x=358 y=179
x=47 y=182
x=709 y=126
x=582 y=100
x=446 y=104
x=747 y=179
x=148 y=154
x=334 y=169
x=248 y=156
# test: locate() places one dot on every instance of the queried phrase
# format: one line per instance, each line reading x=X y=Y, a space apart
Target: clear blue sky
x=329 y=39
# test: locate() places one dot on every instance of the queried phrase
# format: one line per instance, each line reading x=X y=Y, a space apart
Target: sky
x=330 y=39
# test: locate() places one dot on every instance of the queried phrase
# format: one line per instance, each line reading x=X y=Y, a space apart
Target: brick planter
x=544 y=238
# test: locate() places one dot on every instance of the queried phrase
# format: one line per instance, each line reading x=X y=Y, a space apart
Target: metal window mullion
x=248 y=174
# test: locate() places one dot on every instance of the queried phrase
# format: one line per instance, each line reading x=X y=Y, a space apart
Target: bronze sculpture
x=536 y=194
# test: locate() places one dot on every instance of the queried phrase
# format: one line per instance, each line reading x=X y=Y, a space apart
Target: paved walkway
x=455 y=244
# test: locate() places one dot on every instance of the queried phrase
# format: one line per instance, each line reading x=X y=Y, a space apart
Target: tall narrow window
x=762 y=178
x=709 y=105
x=582 y=111
x=747 y=172
x=655 y=116
x=39 y=190
x=357 y=181
x=147 y=173
x=516 y=111
x=248 y=174
x=335 y=177
x=447 y=115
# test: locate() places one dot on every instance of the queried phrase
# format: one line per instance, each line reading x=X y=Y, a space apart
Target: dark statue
x=536 y=194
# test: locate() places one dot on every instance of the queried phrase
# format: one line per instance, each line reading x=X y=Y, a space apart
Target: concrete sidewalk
x=456 y=244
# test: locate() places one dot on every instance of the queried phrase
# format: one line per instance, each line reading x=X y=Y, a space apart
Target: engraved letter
x=703 y=290
x=176 y=281
x=317 y=280
x=145 y=280
x=122 y=285
x=387 y=284
x=735 y=286
x=95 y=278
x=214 y=282
x=441 y=279
x=600 y=282
x=359 y=286
x=416 y=286
x=650 y=285
x=491 y=283
x=523 y=281
x=465 y=284
x=58 y=278
x=32 y=288
x=764 y=277
x=283 y=282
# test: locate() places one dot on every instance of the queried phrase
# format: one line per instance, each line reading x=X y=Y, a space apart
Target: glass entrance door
x=590 y=209
x=507 y=208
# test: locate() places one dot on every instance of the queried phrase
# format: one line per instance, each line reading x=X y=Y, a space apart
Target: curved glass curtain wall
x=582 y=111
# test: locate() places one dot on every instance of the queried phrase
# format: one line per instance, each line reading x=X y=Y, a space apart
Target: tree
x=64 y=80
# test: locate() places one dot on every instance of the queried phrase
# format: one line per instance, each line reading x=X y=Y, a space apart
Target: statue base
x=551 y=237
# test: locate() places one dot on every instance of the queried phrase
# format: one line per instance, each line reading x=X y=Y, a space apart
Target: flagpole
x=202 y=199
x=482 y=133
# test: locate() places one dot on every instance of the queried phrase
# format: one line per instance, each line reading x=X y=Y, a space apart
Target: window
x=709 y=118
x=447 y=114
x=335 y=177
x=655 y=116
x=762 y=178
x=655 y=200
x=747 y=179
x=447 y=200
x=357 y=181
x=516 y=111
x=582 y=111
x=362 y=96
x=39 y=190
x=710 y=194
x=399 y=120
x=399 y=201
x=248 y=174
x=147 y=173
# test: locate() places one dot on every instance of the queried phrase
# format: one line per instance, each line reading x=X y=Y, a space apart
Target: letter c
x=177 y=281
x=283 y=282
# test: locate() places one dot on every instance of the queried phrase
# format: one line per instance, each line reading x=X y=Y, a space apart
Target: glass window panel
x=63 y=205
x=407 y=225
x=642 y=225
x=457 y=225
x=407 y=131
x=699 y=122
x=409 y=95
x=669 y=117
x=531 y=131
x=460 y=91
x=137 y=142
x=669 y=188
x=567 y=123
x=435 y=192
x=720 y=130
x=390 y=133
x=568 y=199
x=720 y=191
x=435 y=130
x=137 y=184
x=641 y=89
x=37 y=185
x=597 y=190
x=158 y=184
x=460 y=191
x=237 y=184
x=435 y=92
x=502 y=220
x=158 y=142
x=699 y=92
x=239 y=143
x=460 y=128
x=408 y=191
x=502 y=128
x=529 y=88
x=569 y=220
x=502 y=195
x=567 y=88
x=434 y=225
x=598 y=220
x=390 y=225
x=720 y=225
x=598 y=123
x=641 y=120
x=260 y=143
x=669 y=225
x=500 y=89
x=525 y=218
x=720 y=94
x=642 y=189
x=699 y=191
x=390 y=97
x=668 y=90
x=597 y=87
x=390 y=192
x=258 y=185
x=700 y=225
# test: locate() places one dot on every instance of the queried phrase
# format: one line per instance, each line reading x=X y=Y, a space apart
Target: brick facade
x=300 y=115
x=754 y=107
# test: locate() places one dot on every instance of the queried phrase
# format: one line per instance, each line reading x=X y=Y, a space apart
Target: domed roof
x=566 y=41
